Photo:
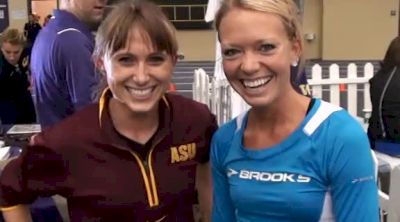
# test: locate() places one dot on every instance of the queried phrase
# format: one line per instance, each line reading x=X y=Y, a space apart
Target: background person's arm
x=18 y=213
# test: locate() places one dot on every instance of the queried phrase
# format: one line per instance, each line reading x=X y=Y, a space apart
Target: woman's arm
x=204 y=188
x=37 y=171
x=352 y=179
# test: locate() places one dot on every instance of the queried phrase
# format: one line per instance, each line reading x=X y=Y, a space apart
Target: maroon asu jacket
x=107 y=177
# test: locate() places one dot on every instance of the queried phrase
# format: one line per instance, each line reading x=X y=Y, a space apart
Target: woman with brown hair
x=137 y=155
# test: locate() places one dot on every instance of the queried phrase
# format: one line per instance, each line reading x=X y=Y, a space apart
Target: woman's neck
x=139 y=127
x=270 y=125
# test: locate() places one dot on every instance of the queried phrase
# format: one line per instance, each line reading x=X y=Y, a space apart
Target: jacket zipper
x=146 y=169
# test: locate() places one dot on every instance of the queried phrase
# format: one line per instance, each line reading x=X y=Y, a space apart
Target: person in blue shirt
x=290 y=157
x=62 y=67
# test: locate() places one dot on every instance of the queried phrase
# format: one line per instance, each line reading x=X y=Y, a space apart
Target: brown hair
x=13 y=36
x=286 y=10
x=114 y=32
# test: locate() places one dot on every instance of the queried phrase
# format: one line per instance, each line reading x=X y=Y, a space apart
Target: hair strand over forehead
x=142 y=16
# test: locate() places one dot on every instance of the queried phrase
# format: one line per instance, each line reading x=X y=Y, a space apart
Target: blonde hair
x=13 y=36
x=286 y=10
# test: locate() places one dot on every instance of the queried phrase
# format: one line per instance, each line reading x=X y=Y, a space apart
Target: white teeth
x=256 y=83
x=140 y=92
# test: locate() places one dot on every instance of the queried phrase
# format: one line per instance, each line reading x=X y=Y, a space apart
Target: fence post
x=207 y=90
x=352 y=90
x=214 y=95
x=196 y=85
x=334 y=88
x=204 y=87
x=225 y=102
x=316 y=76
x=368 y=73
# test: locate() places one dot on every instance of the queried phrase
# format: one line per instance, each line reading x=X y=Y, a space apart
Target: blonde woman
x=290 y=157
x=16 y=104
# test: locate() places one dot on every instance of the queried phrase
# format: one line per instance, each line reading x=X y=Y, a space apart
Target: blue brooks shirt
x=323 y=171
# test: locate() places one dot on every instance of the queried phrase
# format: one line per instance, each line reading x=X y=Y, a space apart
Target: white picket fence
x=353 y=88
x=226 y=104
x=349 y=82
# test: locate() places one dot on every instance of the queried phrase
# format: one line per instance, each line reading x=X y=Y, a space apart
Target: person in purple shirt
x=62 y=67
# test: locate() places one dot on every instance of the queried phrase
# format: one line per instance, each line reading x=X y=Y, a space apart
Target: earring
x=295 y=63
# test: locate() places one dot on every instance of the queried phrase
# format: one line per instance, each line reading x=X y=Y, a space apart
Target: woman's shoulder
x=334 y=127
x=332 y=119
x=75 y=127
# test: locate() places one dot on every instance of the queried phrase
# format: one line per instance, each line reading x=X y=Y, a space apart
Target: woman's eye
x=230 y=53
x=267 y=47
x=125 y=60
x=156 y=60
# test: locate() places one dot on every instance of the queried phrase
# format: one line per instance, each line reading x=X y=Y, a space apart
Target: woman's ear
x=297 y=49
x=99 y=64
x=175 y=59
